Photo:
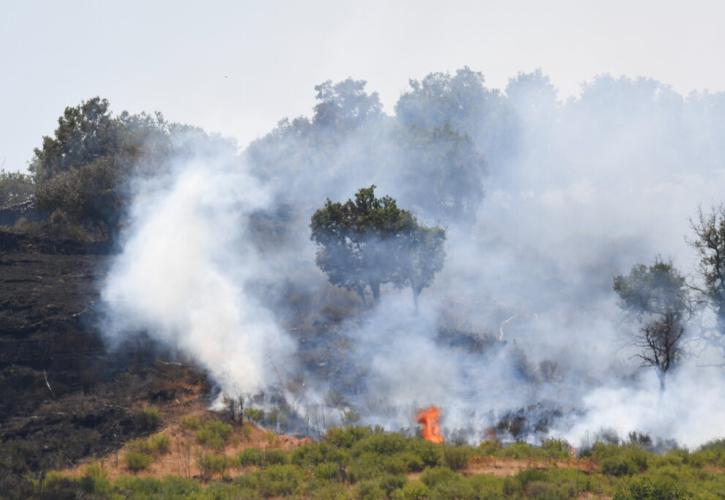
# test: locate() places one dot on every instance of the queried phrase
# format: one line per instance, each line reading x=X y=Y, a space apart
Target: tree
x=710 y=245
x=83 y=170
x=369 y=241
x=15 y=187
x=441 y=174
x=657 y=295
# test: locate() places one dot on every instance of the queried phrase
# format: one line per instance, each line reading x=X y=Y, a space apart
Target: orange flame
x=429 y=420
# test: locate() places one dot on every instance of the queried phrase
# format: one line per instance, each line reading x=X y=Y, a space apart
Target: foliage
x=658 y=296
x=709 y=229
x=211 y=464
x=85 y=167
x=147 y=420
x=214 y=434
x=137 y=461
x=370 y=241
x=15 y=187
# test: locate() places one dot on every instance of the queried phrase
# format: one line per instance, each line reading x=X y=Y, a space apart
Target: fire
x=430 y=425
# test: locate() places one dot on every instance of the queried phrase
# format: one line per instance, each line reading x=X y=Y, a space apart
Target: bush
x=155 y=445
x=456 y=457
x=555 y=448
x=191 y=422
x=250 y=456
x=147 y=420
x=437 y=475
x=328 y=471
x=278 y=480
x=644 y=488
x=254 y=414
x=346 y=437
x=137 y=461
x=211 y=464
x=414 y=490
x=214 y=434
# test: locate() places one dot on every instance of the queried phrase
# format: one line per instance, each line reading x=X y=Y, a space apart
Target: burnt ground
x=64 y=395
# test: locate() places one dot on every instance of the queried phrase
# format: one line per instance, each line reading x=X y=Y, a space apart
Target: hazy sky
x=236 y=67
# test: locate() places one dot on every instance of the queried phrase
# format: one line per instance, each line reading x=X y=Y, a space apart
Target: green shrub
x=328 y=471
x=191 y=422
x=254 y=414
x=414 y=490
x=147 y=420
x=317 y=453
x=346 y=437
x=214 y=434
x=431 y=454
x=489 y=448
x=369 y=490
x=437 y=475
x=456 y=457
x=275 y=457
x=457 y=487
x=381 y=443
x=250 y=456
x=211 y=464
x=137 y=461
x=555 y=448
x=391 y=482
x=644 y=488
x=278 y=480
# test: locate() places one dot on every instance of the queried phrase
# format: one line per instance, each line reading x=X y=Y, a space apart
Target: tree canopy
x=370 y=241
x=709 y=229
x=657 y=295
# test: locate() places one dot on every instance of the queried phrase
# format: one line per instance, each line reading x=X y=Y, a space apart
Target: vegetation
x=709 y=229
x=360 y=462
x=15 y=187
x=657 y=296
x=214 y=434
x=367 y=242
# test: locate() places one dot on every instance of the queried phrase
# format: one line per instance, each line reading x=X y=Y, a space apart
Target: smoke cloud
x=543 y=202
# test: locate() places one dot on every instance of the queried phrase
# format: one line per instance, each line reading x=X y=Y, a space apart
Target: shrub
x=414 y=490
x=214 y=434
x=147 y=420
x=437 y=475
x=254 y=414
x=555 y=448
x=155 y=445
x=137 y=461
x=211 y=464
x=250 y=456
x=456 y=457
x=346 y=437
x=369 y=490
x=278 y=480
x=191 y=422
x=643 y=488
x=328 y=471
x=275 y=457
x=431 y=454
x=489 y=448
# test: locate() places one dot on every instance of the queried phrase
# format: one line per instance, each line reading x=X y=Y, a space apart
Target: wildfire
x=429 y=419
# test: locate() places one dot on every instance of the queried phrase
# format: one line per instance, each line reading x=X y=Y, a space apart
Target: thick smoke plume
x=543 y=202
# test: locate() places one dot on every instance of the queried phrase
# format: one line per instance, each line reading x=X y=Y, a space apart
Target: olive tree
x=369 y=241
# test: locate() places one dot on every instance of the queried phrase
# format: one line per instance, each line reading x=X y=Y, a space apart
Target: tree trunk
x=416 y=294
x=661 y=376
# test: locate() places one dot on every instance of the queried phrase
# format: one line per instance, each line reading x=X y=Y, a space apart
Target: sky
x=237 y=67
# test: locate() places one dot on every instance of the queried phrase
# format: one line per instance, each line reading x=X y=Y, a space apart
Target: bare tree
x=710 y=245
x=657 y=296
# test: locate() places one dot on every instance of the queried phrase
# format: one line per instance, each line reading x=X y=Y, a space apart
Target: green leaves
x=370 y=241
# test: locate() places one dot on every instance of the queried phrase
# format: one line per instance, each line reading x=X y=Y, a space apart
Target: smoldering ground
x=543 y=202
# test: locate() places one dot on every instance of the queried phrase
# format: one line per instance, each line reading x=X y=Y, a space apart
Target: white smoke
x=183 y=271
x=594 y=186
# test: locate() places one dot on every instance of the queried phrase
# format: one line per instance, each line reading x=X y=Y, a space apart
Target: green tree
x=710 y=245
x=369 y=241
x=83 y=170
x=15 y=187
x=657 y=295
